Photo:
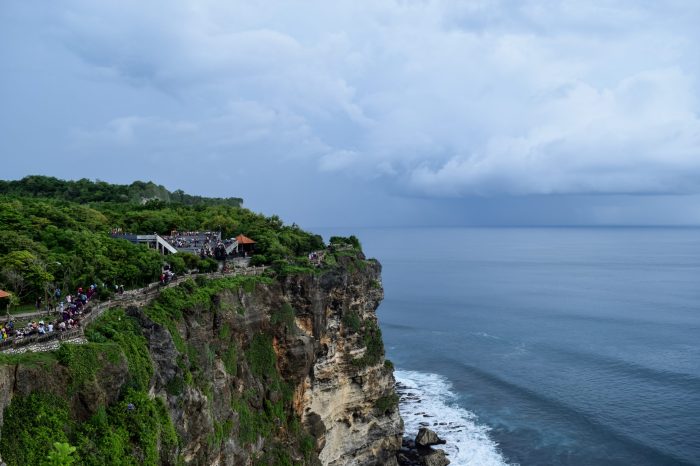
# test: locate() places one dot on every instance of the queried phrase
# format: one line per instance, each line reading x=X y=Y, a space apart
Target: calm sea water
x=549 y=346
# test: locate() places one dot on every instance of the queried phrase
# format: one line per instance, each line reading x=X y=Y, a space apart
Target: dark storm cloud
x=390 y=109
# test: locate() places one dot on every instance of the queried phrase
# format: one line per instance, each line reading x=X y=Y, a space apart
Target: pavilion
x=246 y=246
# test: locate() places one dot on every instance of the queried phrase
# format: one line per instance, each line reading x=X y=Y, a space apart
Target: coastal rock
x=427 y=438
x=435 y=458
x=411 y=454
x=354 y=401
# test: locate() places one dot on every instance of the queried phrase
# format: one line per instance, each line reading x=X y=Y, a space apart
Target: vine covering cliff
x=280 y=370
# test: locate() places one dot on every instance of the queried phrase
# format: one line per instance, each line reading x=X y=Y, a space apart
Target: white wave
x=486 y=335
x=427 y=400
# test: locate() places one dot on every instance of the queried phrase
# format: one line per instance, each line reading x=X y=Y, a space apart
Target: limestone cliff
x=286 y=369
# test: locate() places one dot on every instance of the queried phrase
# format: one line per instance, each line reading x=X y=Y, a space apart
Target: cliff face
x=347 y=400
x=249 y=370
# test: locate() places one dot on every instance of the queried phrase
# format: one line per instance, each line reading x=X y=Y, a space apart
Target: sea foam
x=427 y=400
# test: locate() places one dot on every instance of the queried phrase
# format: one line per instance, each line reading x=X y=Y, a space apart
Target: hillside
x=284 y=367
x=56 y=233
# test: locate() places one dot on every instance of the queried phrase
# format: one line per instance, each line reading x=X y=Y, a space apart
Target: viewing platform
x=204 y=244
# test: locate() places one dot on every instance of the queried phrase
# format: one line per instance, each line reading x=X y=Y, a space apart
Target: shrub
x=115 y=326
x=30 y=424
x=261 y=356
x=61 y=455
x=386 y=404
x=372 y=339
x=352 y=321
x=230 y=360
x=284 y=316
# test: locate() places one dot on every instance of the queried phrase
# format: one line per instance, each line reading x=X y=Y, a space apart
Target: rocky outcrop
x=347 y=399
x=419 y=452
x=435 y=458
x=428 y=438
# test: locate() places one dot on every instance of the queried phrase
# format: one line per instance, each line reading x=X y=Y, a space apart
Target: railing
x=93 y=311
x=165 y=244
x=36 y=339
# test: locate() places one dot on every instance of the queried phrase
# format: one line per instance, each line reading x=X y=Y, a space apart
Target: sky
x=366 y=113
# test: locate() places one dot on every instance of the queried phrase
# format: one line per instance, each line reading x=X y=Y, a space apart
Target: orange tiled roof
x=243 y=239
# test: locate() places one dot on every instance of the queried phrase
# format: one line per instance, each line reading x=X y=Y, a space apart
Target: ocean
x=546 y=346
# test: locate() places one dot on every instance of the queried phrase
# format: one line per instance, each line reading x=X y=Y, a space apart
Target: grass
x=116 y=327
x=230 y=360
x=84 y=361
x=29 y=359
x=284 y=316
x=261 y=356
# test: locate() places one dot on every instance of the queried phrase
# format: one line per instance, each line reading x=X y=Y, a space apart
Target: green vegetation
x=30 y=423
x=56 y=233
x=29 y=359
x=386 y=404
x=61 y=454
x=127 y=433
x=230 y=359
x=168 y=309
x=84 y=191
x=372 y=340
x=352 y=321
x=276 y=418
x=261 y=356
x=221 y=431
x=115 y=326
x=135 y=430
x=276 y=456
x=84 y=361
x=350 y=242
x=284 y=317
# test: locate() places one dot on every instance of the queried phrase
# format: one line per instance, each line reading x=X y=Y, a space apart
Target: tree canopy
x=56 y=233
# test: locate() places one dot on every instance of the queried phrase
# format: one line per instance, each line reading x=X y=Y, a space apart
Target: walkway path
x=139 y=297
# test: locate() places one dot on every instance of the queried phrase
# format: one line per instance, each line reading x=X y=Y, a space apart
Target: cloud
x=641 y=136
x=431 y=98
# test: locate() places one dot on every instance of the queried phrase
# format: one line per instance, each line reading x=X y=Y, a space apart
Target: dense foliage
x=126 y=432
x=56 y=233
x=84 y=190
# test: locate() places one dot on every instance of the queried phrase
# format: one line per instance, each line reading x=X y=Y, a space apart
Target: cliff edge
x=248 y=370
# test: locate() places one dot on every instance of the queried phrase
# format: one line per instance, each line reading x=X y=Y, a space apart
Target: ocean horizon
x=532 y=345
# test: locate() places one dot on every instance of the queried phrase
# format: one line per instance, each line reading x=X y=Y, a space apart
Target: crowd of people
x=204 y=243
x=167 y=276
x=316 y=258
x=69 y=312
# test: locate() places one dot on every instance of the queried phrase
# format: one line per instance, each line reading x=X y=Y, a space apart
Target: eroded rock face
x=341 y=401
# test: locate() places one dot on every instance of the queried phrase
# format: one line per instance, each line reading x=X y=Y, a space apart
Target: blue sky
x=357 y=113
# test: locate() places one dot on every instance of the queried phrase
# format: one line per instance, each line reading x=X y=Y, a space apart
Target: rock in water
x=427 y=437
x=435 y=458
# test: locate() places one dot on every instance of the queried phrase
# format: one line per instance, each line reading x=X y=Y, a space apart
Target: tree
x=12 y=301
x=25 y=272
